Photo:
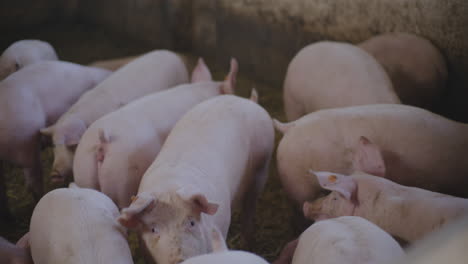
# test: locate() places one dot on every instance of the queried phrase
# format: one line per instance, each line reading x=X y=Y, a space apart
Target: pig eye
x=155 y=230
x=17 y=66
x=190 y=223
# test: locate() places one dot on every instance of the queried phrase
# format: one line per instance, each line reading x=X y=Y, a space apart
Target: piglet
x=215 y=158
x=77 y=226
x=222 y=255
x=112 y=156
x=416 y=67
x=347 y=239
x=13 y=254
x=332 y=74
x=24 y=52
x=152 y=72
x=30 y=100
x=408 y=145
x=405 y=212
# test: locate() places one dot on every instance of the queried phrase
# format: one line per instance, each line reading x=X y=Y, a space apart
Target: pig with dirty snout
x=14 y=254
x=109 y=152
x=408 y=213
x=215 y=159
x=221 y=254
x=30 y=100
x=77 y=226
x=152 y=72
x=347 y=239
x=24 y=52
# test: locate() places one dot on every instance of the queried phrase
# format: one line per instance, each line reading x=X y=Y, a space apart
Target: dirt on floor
x=83 y=44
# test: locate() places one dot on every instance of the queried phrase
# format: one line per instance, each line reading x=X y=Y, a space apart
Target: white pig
x=333 y=74
x=405 y=212
x=13 y=254
x=116 y=150
x=32 y=99
x=77 y=226
x=448 y=245
x=416 y=67
x=215 y=158
x=152 y=72
x=24 y=52
x=221 y=254
x=346 y=239
x=406 y=144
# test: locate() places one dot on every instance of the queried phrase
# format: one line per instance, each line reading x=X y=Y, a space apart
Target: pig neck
x=405 y=212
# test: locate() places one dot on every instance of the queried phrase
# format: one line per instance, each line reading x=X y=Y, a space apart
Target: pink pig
x=152 y=72
x=30 y=100
x=215 y=159
x=112 y=156
x=406 y=144
x=24 y=52
x=417 y=69
x=221 y=254
x=77 y=226
x=347 y=239
x=333 y=74
x=405 y=212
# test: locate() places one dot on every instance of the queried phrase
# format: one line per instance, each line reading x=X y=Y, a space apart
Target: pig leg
x=287 y=254
x=250 y=204
x=32 y=169
x=5 y=214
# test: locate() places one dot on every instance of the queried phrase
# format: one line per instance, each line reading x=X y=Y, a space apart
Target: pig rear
x=74 y=225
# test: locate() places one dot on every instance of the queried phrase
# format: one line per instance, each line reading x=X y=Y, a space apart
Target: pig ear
x=130 y=217
x=48 y=131
x=73 y=132
x=218 y=243
x=230 y=80
x=23 y=242
x=368 y=158
x=199 y=202
x=344 y=185
x=201 y=73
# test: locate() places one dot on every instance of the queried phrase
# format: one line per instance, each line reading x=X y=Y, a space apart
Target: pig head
x=342 y=201
x=174 y=225
x=65 y=137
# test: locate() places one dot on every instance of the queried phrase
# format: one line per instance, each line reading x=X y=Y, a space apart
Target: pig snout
x=312 y=210
x=56 y=177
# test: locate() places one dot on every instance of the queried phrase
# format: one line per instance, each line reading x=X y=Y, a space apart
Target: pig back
x=77 y=226
x=346 y=239
x=322 y=73
x=223 y=139
x=417 y=147
x=152 y=72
